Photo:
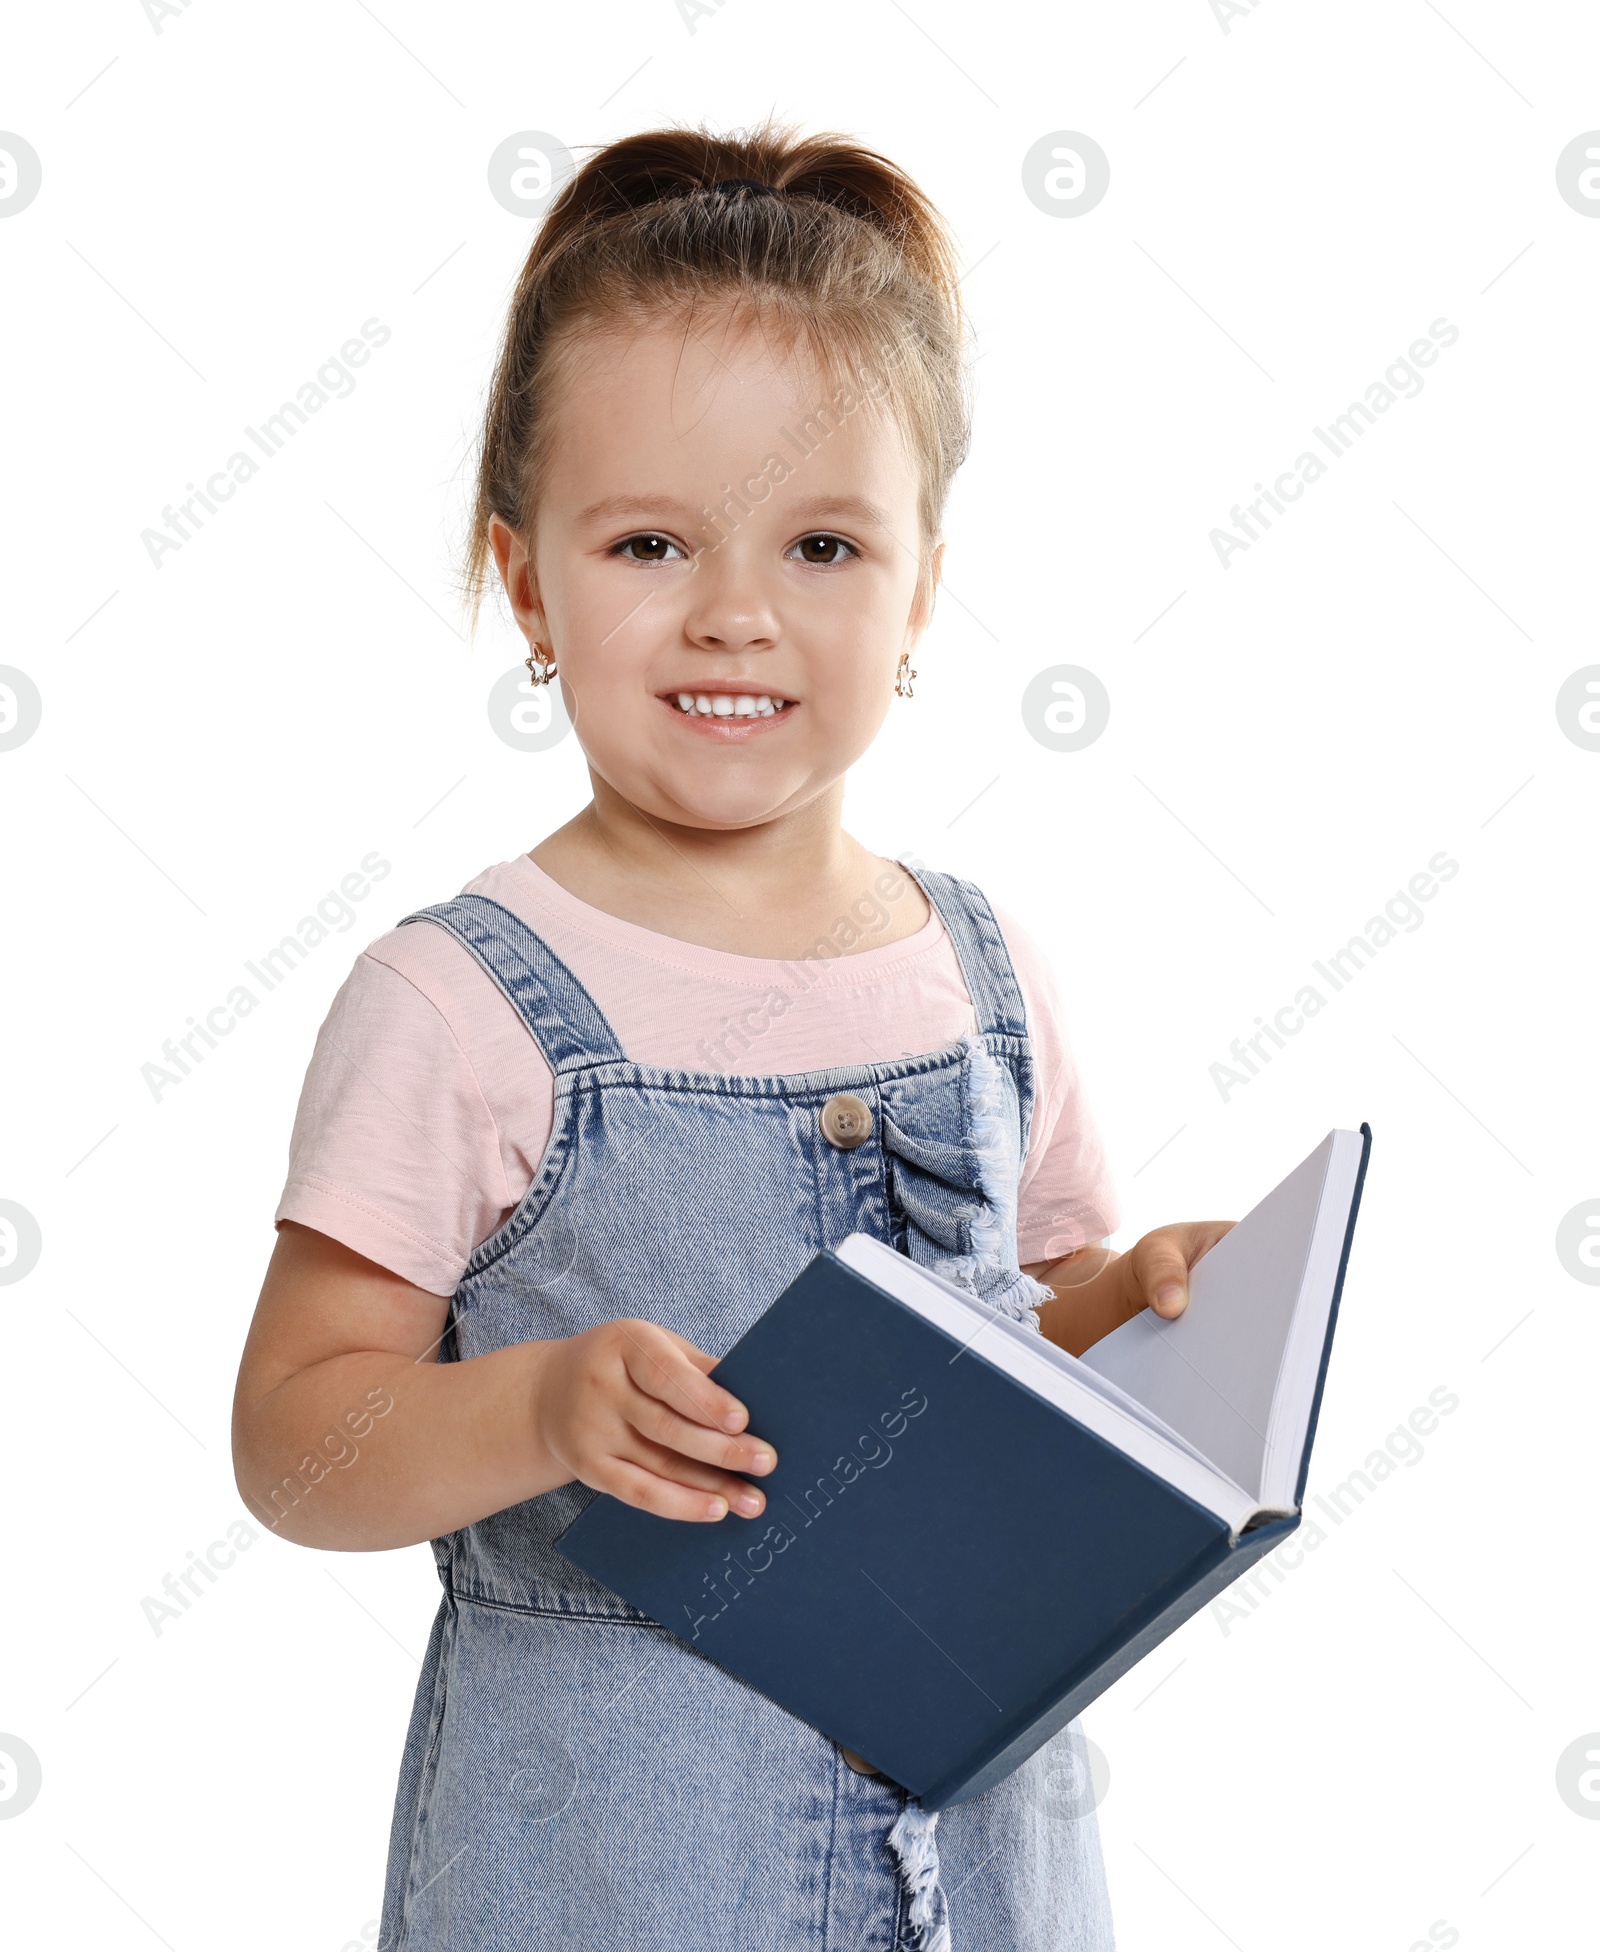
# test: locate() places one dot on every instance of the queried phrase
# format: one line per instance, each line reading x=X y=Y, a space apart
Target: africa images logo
x=873 y=1450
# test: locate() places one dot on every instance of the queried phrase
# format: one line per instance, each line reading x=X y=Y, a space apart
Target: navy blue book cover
x=948 y=1568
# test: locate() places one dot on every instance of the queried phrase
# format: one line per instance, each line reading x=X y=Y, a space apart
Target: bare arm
x=1096 y=1290
x=350 y=1434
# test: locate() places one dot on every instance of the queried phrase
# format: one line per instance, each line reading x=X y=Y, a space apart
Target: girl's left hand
x=1096 y=1291
x=1154 y=1273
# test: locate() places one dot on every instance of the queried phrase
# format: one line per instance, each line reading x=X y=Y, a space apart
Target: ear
x=516 y=573
x=922 y=603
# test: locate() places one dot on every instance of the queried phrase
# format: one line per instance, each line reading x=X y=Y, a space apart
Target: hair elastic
x=746 y=183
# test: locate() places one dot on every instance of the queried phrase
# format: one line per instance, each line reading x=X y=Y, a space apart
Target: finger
x=698 y=1357
x=1194 y=1239
x=648 y=1491
x=660 y=1423
x=1160 y=1273
x=656 y=1364
x=747 y=1499
x=1162 y=1260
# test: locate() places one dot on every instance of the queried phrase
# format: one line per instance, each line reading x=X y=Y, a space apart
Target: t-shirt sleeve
x=1066 y=1197
x=395 y=1151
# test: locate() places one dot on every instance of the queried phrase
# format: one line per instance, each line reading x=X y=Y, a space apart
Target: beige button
x=846 y=1121
x=858 y=1763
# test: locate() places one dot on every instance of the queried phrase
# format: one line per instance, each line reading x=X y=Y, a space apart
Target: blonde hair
x=849 y=257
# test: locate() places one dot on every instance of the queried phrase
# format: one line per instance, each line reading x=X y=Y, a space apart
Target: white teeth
x=722 y=704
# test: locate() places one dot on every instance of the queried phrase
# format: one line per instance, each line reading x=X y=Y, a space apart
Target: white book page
x=1235 y=1372
x=1308 y=1337
x=1039 y=1347
x=1050 y=1373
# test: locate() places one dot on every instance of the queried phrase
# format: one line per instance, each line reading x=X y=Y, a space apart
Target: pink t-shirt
x=427 y=1105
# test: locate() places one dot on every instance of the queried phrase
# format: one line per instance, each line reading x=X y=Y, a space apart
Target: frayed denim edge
x=913 y=1842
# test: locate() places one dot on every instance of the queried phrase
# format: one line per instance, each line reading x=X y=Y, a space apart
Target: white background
x=1374 y=1748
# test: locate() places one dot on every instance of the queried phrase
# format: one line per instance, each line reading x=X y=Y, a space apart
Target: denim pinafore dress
x=576 y=1776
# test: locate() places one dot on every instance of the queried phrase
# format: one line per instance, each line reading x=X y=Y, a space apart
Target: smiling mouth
x=728 y=704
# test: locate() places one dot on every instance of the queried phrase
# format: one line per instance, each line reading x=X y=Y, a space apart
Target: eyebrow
x=629 y=505
x=849 y=506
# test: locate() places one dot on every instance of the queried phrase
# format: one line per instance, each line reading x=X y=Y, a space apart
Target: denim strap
x=980 y=950
x=563 y=1018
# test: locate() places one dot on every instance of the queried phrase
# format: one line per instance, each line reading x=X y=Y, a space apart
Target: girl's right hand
x=628 y=1408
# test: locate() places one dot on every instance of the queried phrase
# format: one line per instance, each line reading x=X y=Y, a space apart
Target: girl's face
x=727 y=609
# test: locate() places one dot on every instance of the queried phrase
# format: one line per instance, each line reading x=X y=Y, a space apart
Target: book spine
x=1333 y=1315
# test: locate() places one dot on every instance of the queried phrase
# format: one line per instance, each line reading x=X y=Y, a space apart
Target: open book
x=969 y=1534
x=1221 y=1402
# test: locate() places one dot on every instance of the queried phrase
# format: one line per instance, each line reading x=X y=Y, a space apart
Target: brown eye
x=823 y=550
x=648 y=548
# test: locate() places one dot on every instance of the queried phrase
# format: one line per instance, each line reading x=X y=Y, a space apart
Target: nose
x=730 y=608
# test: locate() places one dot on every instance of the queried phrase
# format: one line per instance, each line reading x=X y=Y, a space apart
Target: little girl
x=564 y=1137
